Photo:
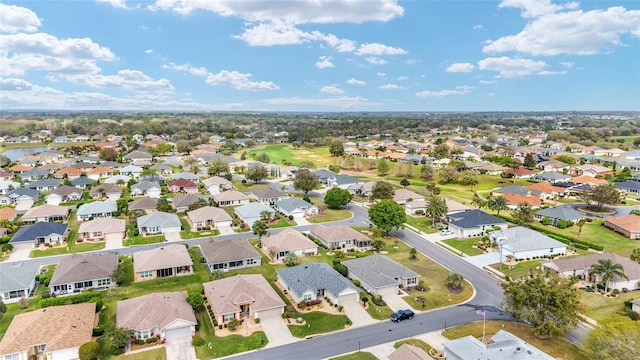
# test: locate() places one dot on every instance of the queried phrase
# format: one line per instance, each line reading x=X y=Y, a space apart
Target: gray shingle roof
x=44 y=183
x=79 y=267
x=561 y=212
x=520 y=238
x=291 y=204
x=221 y=251
x=314 y=276
x=518 y=190
x=267 y=193
x=17 y=275
x=474 y=218
x=629 y=185
x=252 y=209
x=505 y=347
x=97 y=207
x=39 y=229
x=379 y=270
x=159 y=218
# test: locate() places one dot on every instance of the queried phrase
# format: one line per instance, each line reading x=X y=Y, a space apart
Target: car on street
x=402 y=315
x=446 y=232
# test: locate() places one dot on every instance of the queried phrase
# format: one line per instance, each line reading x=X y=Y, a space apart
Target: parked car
x=446 y=232
x=402 y=315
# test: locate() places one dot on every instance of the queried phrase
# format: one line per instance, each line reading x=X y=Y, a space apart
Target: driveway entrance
x=395 y=302
x=357 y=314
x=277 y=332
x=172 y=236
x=180 y=349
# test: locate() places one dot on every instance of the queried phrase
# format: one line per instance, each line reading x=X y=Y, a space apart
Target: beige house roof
x=220 y=251
x=78 y=267
x=104 y=225
x=230 y=195
x=8 y=214
x=46 y=210
x=208 y=213
x=405 y=195
x=409 y=352
x=287 y=240
x=157 y=309
x=164 y=257
x=453 y=205
x=631 y=268
x=630 y=223
x=217 y=180
x=336 y=233
x=226 y=295
x=144 y=203
x=59 y=327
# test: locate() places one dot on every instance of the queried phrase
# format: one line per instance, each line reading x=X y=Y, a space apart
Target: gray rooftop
x=561 y=212
x=97 y=207
x=314 y=276
x=474 y=218
x=79 y=267
x=159 y=218
x=252 y=209
x=17 y=275
x=379 y=270
x=524 y=239
x=39 y=229
x=505 y=347
x=221 y=251
x=291 y=204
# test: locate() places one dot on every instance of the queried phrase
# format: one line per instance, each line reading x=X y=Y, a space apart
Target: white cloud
x=354 y=81
x=120 y=4
x=338 y=101
x=148 y=51
x=192 y=70
x=459 y=90
x=478 y=27
x=324 y=62
x=238 y=81
x=379 y=49
x=553 y=31
x=375 y=60
x=333 y=90
x=547 y=72
x=567 y=64
x=390 y=87
x=14 y=84
x=15 y=19
x=461 y=68
x=491 y=94
x=487 y=82
x=508 y=67
x=298 y=12
x=132 y=80
x=381 y=74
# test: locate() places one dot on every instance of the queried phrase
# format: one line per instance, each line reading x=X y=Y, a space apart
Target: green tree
x=183 y=146
x=580 y=224
x=305 y=181
x=382 y=190
x=3 y=308
x=89 y=351
x=426 y=172
x=454 y=281
x=307 y=164
x=116 y=337
x=635 y=255
x=529 y=161
x=216 y=275
x=336 y=148
x=259 y=228
x=524 y=215
x=383 y=167
x=108 y=154
x=405 y=182
x=200 y=203
x=291 y=259
x=413 y=254
x=263 y=157
x=256 y=173
x=164 y=205
x=196 y=300
x=432 y=189
x=336 y=198
x=479 y=202
x=567 y=159
x=616 y=337
x=217 y=167
x=119 y=275
x=377 y=244
x=387 y=215
x=608 y=271
x=497 y=204
x=164 y=148
x=601 y=195
x=151 y=173
x=469 y=178
x=448 y=174
x=548 y=302
x=436 y=209
x=441 y=151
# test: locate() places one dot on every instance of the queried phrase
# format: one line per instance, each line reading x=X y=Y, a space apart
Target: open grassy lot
x=360 y=355
x=464 y=245
x=379 y=312
x=557 y=347
x=278 y=152
x=599 y=306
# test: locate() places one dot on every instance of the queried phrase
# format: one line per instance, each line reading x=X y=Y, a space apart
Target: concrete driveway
x=484 y=259
x=180 y=349
x=20 y=252
x=172 y=236
x=357 y=314
x=112 y=244
x=277 y=332
x=395 y=302
x=226 y=230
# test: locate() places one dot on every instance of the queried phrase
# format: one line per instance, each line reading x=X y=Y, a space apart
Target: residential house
x=339 y=237
x=587 y=179
x=182 y=186
x=53 y=333
x=416 y=207
x=146 y=188
x=82 y=182
x=33 y=175
x=627 y=225
x=162 y=169
x=185 y=175
x=517 y=190
x=182 y=202
x=46 y=212
x=146 y=204
x=402 y=196
x=230 y=198
x=288 y=241
x=18 y=280
x=296 y=207
x=99 y=172
x=380 y=275
x=20 y=168
x=520 y=173
x=229 y=254
x=44 y=185
x=553 y=165
x=161 y=262
x=79 y=272
x=106 y=190
x=131 y=170
x=474 y=223
x=515 y=201
x=252 y=212
x=267 y=196
x=243 y=296
x=362 y=189
x=208 y=216
x=547 y=191
x=118 y=179
x=409 y=352
x=69 y=173
x=314 y=281
x=524 y=243
x=492 y=169
x=590 y=170
x=580 y=266
x=555 y=214
x=158 y=223
x=102 y=229
x=8 y=186
x=629 y=187
x=96 y=209
x=551 y=177
x=635 y=305
x=8 y=213
x=22 y=198
x=343 y=181
x=166 y=315
x=63 y=194
x=138 y=155
x=39 y=233
x=217 y=184
x=504 y=346
x=454 y=207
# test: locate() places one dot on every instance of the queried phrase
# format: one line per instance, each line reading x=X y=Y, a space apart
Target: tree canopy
x=336 y=198
x=387 y=215
x=497 y=204
x=382 y=190
x=608 y=271
x=336 y=148
x=616 y=337
x=601 y=195
x=256 y=173
x=305 y=180
x=259 y=228
x=548 y=302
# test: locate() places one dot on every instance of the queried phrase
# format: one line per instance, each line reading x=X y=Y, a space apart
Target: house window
x=228 y=317
x=97 y=234
x=41 y=347
x=251 y=261
x=411 y=281
x=83 y=284
x=104 y=282
x=348 y=242
x=218 y=266
x=307 y=297
x=12 y=357
x=235 y=263
x=551 y=250
x=143 y=335
x=146 y=274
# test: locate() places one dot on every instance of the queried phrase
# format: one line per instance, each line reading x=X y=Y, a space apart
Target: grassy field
x=520 y=270
x=379 y=312
x=557 y=347
x=360 y=355
x=465 y=245
x=155 y=354
x=421 y=223
x=599 y=306
x=225 y=346
x=318 y=323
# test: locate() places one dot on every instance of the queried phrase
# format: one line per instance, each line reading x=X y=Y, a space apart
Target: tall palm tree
x=498 y=203
x=608 y=270
x=436 y=208
x=454 y=281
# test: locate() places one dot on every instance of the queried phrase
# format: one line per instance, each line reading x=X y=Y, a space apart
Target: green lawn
x=155 y=354
x=360 y=355
x=283 y=222
x=415 y=342
x=421 y=223
x=143 y=240
x=464 y=245
x=557 y=347
x=188 y=234
x=225 y=346
x=318 y=323
x=599 y=306
x=279 y=152
x=379 y=312
x=520 y=270
x=73 y=248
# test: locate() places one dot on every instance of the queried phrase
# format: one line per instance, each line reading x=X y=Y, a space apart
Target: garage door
x=270 y=314
x=113 y=236
x=342 y=299
x=177 y=333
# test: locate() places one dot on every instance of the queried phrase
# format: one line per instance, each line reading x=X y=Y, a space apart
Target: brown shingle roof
x=46 y=210
x=78 y=267
x=59 y=327
x=143 y=204
x=208 y=213
x=104 y=225
x=219 y=251
x=287 y=240
x=157 y=309
x=225 y=295
x=630 y=223
x=161 y=258
x=336 y=233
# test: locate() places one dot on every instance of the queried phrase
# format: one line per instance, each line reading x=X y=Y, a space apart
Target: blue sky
x=320 y=55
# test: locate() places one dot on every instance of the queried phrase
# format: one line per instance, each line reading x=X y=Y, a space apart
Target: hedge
x=66 y=300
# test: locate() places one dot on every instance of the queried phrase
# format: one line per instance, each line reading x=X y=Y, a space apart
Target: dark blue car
x=402 y=315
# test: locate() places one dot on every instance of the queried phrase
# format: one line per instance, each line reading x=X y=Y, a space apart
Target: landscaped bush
x=151 y=340
x=562 y=224
x=197 y=341
x=7 y=247
x=97 y=331
x=257 y=320
x=138 y=342
x=73 y=299
x=313 y=302
x=377 y=299
x=361 y=255
x=341 y=269
x=356 y=282
x=580 y=246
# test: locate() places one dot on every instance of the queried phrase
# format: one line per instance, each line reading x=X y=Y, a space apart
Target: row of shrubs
x=88 y=296
x=150 y=340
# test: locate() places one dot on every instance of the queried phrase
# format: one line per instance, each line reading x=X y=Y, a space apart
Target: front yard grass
x=464 y=245
x=379 y=312
x=143 y=240
x=600 y=307
x=422 y=223
x=155 y=354
x=224 y=346
x=360 y=355
x=557 y=347
x=519 y=270
x=72 y=247
x=415 y=342
x=318 y=322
